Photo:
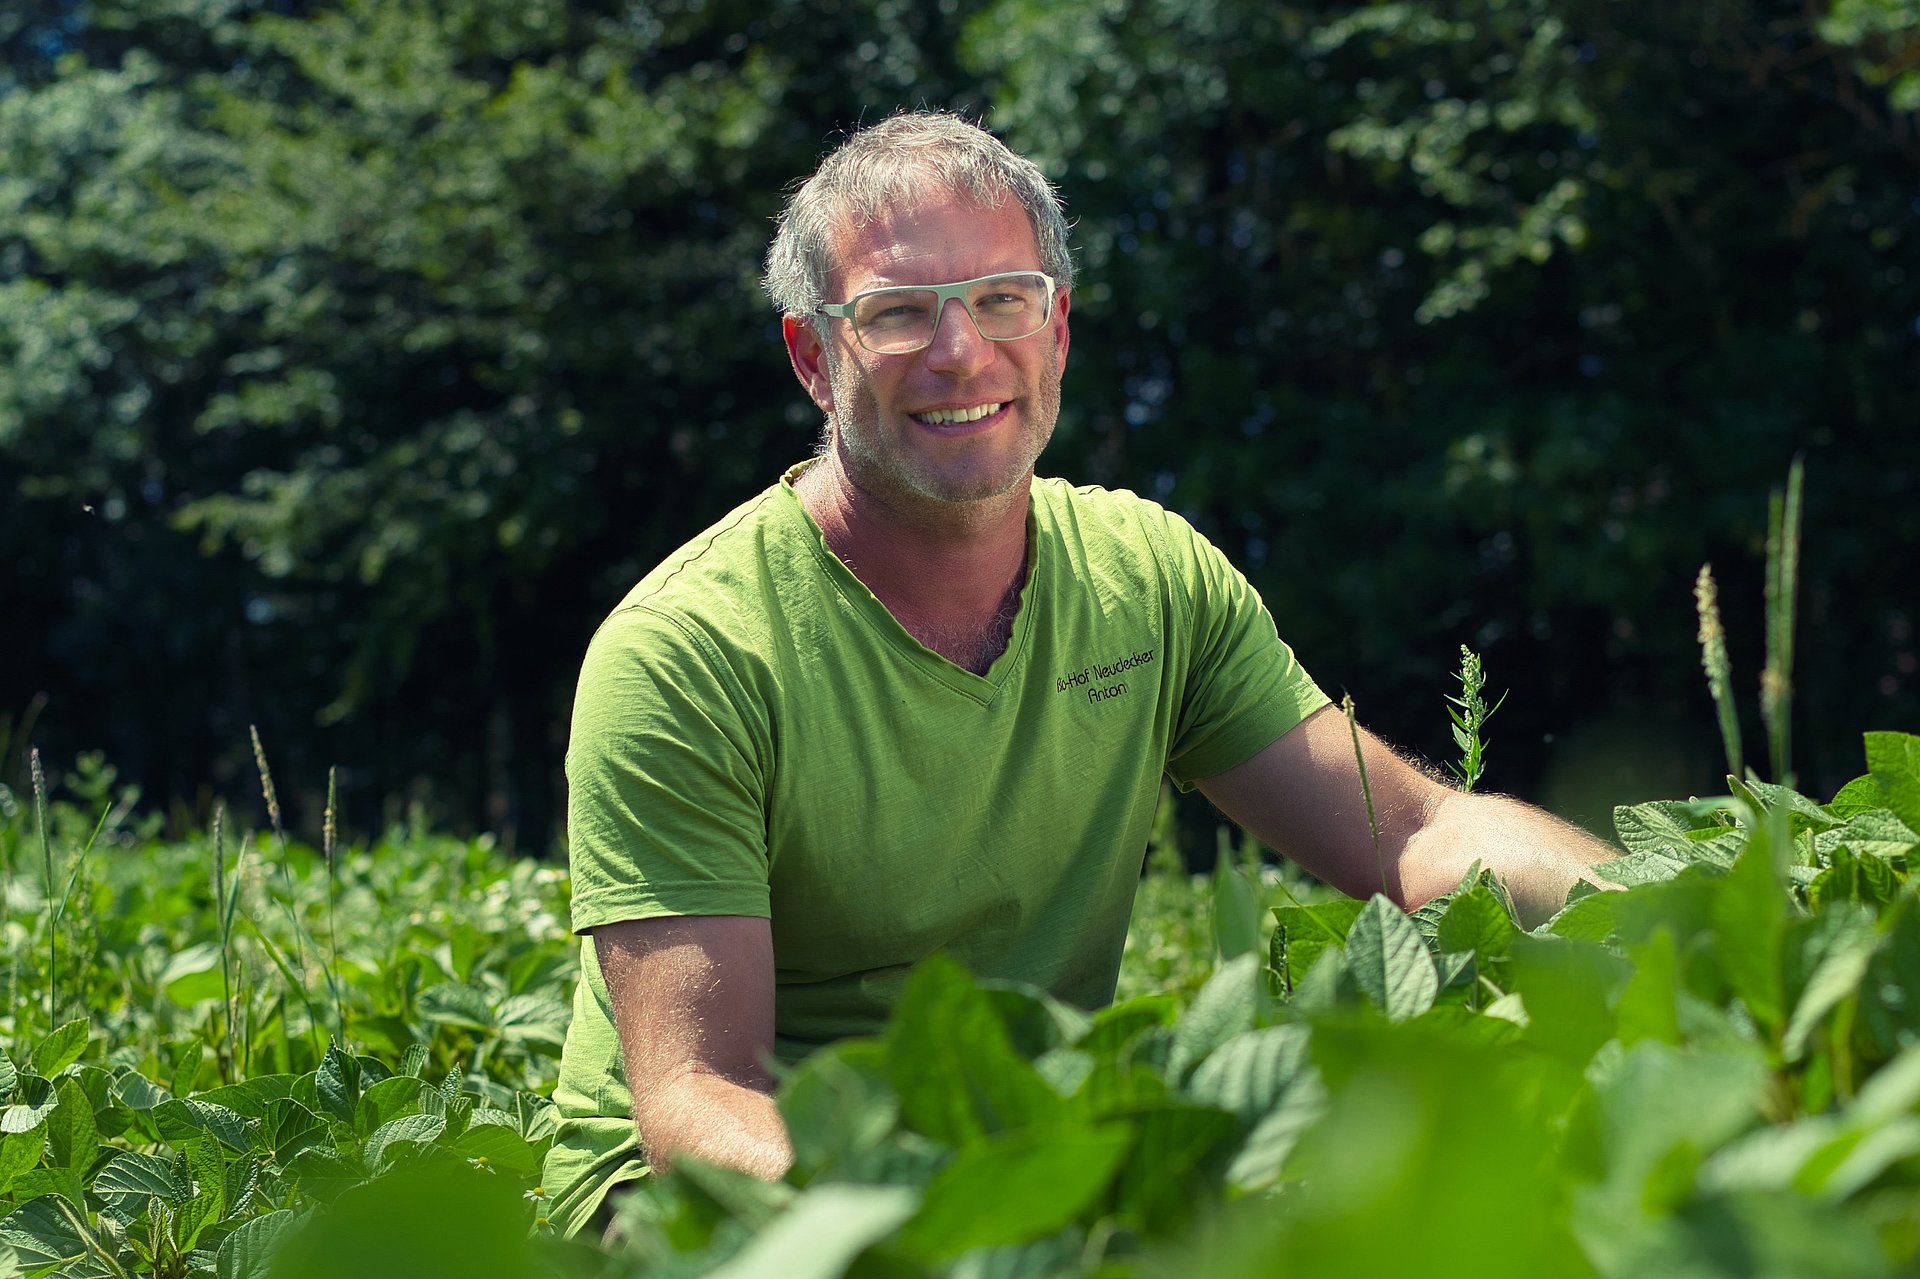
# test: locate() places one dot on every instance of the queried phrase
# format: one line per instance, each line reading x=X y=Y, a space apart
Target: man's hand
x=1302 y=797
x=693 y=999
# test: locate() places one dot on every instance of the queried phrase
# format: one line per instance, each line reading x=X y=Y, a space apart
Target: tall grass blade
x=1713 y=659
x=1783 y=580
x=46 y=857
x=328 y=834
x=224 y=912
x=1366 y=789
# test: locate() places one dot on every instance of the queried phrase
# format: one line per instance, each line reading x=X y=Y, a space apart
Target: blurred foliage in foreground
x=1714 y=1072
x=356 y=355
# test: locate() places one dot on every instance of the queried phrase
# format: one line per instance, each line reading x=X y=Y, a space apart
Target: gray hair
x=895 y=162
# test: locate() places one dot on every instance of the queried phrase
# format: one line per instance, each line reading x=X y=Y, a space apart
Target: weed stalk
x=286 y=878
x=223 y=909
x=1713 y=659
x=1783 y=580
x=1470 y=713
x=1366 y=789
x=328 y=834
x=46 y=857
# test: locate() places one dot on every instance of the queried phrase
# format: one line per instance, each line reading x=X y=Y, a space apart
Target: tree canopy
x=355 y=356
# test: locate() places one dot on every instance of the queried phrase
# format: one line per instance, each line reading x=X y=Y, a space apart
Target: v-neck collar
x=887 y=628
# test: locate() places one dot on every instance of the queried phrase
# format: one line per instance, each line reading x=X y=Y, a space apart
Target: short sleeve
x=666 y=778
x=1244 y=688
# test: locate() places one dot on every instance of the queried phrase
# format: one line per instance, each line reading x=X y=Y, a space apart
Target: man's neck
x=950 y=573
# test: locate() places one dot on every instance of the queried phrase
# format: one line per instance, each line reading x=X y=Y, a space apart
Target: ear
x=1061 y=305
x=807 y=354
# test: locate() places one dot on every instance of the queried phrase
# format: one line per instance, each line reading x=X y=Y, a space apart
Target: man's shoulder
x=1117 y=519
x=726 y=579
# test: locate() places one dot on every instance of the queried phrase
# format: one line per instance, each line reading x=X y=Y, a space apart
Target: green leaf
x=186 y=1072
x=952 y=1065
x=73 y=1138
x=386 y=1100
x=1389 y=961
x=1250 y=1073
x=184 y=1118
x=1749 y=922
x=1876 y=832
x=1894 y=761
x=1475 y=921
x=134 y=1175
x=385 y=1143
x=60 y=1049
x=837 y=1104
x=137 y=1092
x=1262 y=1157
x=192 y=975
x=1157 y=1184
x=1835 y=953
x=458 y=1004
x=1649 y=1002
x=247 y=1253
x=1860 y=795
x=536 y=1020
x=501 y=1147
x=1303 y=933
x=1803 y=813
x=36 y=1100
x=1566 y=986
x=1015 y=1188
x=337 y=1084
x=289 y=1127
x=1236 y=910
x=1228 y=1004
x=1660 y=1104
x=1664 y=827
x=1036 y=1022
x=1589 y=918
x=9 y=1076
x=820 y=1235
x=20 y=1151
x=1115 y=1026
x=41 y=1234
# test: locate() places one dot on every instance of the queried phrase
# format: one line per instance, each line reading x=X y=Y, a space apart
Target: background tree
x=356 y=356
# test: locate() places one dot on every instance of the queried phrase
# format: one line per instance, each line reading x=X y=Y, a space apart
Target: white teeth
x=946 y=417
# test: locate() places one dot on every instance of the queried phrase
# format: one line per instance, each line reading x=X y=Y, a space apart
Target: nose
x=958 y=345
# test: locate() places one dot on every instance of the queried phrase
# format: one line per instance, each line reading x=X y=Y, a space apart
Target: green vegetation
x=1713 y=1071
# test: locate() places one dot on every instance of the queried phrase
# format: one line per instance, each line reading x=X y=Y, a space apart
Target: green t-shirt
x=754 y=734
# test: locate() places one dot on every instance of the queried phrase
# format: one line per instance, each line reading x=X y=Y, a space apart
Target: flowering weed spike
x=1469 y=713
x=1783 y=573
x=1713 y=659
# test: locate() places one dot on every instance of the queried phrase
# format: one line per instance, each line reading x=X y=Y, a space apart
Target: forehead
x=937 y=238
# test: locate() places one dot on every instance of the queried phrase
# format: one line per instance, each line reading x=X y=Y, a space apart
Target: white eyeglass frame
x=941 y=294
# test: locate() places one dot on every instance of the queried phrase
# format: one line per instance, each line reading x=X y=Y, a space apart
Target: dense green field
x=239 y=1055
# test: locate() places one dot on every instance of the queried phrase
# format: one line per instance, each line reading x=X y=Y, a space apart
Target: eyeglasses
x=1005 y=308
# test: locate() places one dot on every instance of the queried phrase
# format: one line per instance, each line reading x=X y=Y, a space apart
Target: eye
x=892 y=312
x=1008 y=296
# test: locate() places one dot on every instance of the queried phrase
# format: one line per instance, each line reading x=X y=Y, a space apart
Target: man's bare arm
x=693 y=1000
x=1302 y=797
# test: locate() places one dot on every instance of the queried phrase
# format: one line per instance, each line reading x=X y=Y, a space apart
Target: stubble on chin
x=877 y=463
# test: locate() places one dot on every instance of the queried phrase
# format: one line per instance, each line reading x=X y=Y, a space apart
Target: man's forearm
x=1535 y=854
x=716 y=1120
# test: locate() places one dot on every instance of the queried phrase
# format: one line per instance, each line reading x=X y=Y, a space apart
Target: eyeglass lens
x=1005 y=307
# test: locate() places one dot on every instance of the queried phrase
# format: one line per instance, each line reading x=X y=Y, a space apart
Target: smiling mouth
x=954 y=417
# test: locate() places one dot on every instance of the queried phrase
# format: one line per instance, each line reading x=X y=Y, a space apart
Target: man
x=912 y=699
